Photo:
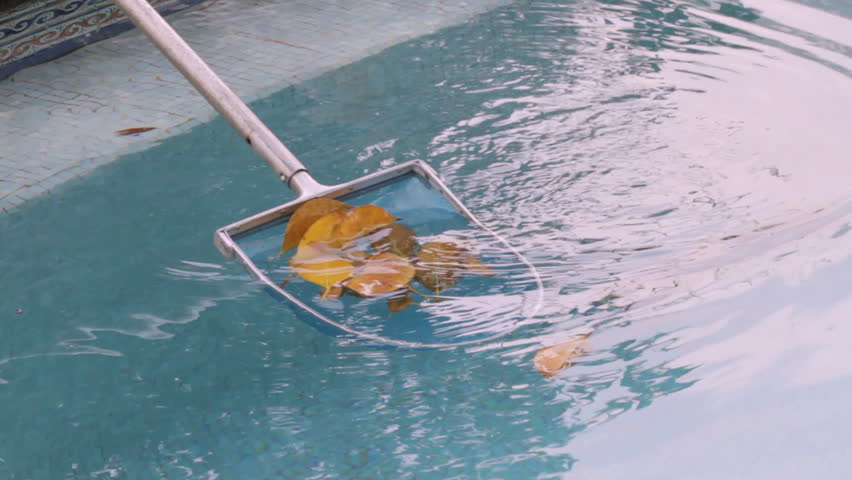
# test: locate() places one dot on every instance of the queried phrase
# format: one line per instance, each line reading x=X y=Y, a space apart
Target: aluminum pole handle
x=219 y=95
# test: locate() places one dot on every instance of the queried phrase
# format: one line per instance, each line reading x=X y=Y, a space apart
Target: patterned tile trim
x=43 y=30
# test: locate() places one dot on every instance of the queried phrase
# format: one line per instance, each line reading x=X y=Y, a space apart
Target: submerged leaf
x=363 y=220
x=440 y=265
x=549 y=360
x=381 y=273
x=305 y=216
x=400 y=303
x=395 y=238
x=134 y=130
x=440 y=254
x=445 y=254
x=436 y=280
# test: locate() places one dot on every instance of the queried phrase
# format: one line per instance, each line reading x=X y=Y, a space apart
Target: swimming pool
x=677 y=172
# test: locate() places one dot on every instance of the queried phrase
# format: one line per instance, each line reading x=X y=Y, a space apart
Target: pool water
x=677 y=171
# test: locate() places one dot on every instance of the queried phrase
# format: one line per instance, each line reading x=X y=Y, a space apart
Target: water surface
x=678 y=172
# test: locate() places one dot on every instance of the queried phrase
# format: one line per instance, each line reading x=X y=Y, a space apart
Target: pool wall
x=58 y=120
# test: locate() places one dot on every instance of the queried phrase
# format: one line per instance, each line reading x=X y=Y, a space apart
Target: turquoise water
x=678 y=172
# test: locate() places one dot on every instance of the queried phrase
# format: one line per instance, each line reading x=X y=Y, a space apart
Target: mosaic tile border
x=42 y=30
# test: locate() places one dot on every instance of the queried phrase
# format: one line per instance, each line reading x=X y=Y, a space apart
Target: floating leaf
x=135 y=130
x=395 y=238
x=318 y=263
x=549 y=360
x=357 y=257
x=475 y=266
x=325 y=231
x=325 y=271
x=305 y=216
x=381 y=273
x=400 y=303
x=363 y=220
x=312 y=252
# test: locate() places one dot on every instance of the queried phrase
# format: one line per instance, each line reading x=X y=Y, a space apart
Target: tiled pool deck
x=59 y=120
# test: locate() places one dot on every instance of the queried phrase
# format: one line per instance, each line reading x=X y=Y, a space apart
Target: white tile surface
x=57 y=120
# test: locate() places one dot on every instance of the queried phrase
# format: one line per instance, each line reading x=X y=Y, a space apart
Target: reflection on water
x=678 y=172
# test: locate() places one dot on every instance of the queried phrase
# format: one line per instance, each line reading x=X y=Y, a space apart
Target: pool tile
x=58 y=120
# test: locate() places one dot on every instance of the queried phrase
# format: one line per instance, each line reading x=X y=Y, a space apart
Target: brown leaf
x=134 y=131
x=440 y=254
x=400 y=303
x=549 y=360
x=395 y=238
x=475 y=266
x=440 y=265
x=381 y=273
x=332 y=293
x=445 y=254
x=305 y=216
x=363 y=220
x=436 y=280
x=357 y=257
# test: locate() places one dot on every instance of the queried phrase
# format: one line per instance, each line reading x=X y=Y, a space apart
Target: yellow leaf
x=312 y=252
x=305 y=216
x=381 y=273
x=318 y=263
x=325 y=231
x=324 y=271
x=549 y=360
x=363 y=220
